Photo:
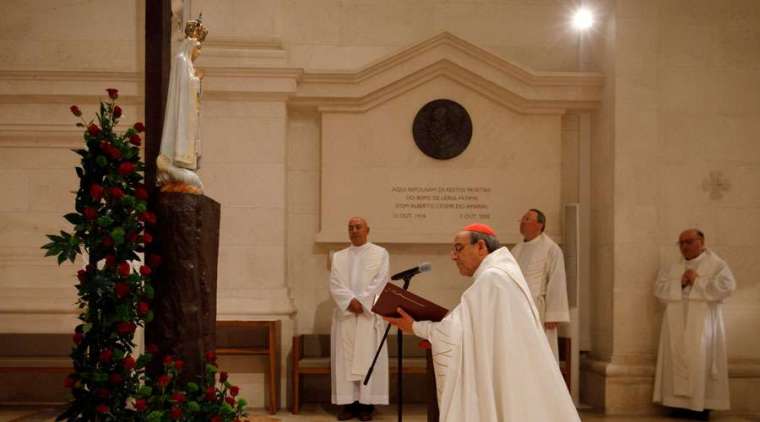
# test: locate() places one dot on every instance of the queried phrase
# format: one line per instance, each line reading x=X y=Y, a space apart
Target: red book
x=417 y=307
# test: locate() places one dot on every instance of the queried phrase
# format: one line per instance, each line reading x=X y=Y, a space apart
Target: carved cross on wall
x=716 y=184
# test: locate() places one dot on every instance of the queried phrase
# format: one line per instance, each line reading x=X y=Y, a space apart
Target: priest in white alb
x=492 y=361
x=692 y=370
x=359 y=273
x=543 y=266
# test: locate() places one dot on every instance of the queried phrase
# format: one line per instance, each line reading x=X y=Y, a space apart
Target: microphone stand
x=400 y=357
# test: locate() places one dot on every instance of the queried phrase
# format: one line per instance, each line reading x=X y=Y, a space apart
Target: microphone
x=422 y=268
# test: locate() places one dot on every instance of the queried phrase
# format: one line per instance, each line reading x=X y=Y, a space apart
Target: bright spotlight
x=583 y=19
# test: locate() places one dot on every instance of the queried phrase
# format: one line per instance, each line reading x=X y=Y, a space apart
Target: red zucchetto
x=480 y=228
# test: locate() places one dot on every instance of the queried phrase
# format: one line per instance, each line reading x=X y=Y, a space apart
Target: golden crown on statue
x=194 y=29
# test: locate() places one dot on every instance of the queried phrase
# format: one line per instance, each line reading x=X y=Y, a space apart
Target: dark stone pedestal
x=185 y=284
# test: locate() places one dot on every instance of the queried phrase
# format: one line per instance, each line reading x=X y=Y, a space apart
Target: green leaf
x=101 y=161
x=105 y=221
x=128 y=201
x=193 y=406
x=145 y=391
x=149 y=316
x=122 y=312
x=211 y=368
x=149 y=292
x=192 y=387
x=242 y=404
x=73 y=218
x=155 y=416
x=118 y=354
x=141 y=206
x=117 y=234
x=227 y=409
x=143 y=360
x=61 y=258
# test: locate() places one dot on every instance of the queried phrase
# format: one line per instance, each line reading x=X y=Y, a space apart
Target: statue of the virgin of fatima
x=180 y=153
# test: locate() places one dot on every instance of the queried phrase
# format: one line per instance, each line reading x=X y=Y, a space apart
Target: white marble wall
x=53 y=55
x=680 y=104
x=683 y=139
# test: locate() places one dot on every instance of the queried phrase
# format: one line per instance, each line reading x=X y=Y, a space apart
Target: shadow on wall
x=323 y=316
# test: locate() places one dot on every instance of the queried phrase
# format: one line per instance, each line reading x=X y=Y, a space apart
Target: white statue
x=180 y=153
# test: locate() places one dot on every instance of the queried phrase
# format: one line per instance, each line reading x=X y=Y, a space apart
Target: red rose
x=107 y=242
x=126 y=168
x=115 y=379
x=141 y=405
x=143 y=308
x=128 y=362
x=113 y=152
x=116 y=112
x=124 y=269
x=78 y=337
x=106 y=355
x=82 y=275
x=69 y=382
x=141 y=193
x=210 y=356
x=121 y=289
x=145 y=270
x=163 y=380
x=93 y=129
x=102 y=409
x=152 y=349
x=139 y=127
x=116 y=193
x=113 y=93
x=103 y=393
x=178 y=397
x=110 y=260
x=96 y=191
x=223 y=376
x=175 y=413
x=210 y=394
x=154 y=261
x=234 y=390
x=168 y=359
x=179 y=364
x=148 y=217
x=230 y=400
x=216 y=419
x=147 y=238
x=75 y=110
x=125 y=327
x=90 y=213
x=135 y=140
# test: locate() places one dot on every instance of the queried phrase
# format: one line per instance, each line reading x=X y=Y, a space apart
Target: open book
x=418 y=308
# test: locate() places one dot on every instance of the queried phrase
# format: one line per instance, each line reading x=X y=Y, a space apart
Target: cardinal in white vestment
x=492 y=361
x=543 y=266
x=692 y=370
x=359 y=273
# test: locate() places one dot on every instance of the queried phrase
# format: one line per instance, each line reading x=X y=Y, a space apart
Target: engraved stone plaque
x=442 y=129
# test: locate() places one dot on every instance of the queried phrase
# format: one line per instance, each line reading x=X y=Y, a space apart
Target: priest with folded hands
x=491 y=357
x=358 y=275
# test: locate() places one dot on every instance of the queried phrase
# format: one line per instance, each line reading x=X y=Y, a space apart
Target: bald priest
x=492 y=360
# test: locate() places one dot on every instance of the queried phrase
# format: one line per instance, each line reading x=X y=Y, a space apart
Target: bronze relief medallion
x=442 y=129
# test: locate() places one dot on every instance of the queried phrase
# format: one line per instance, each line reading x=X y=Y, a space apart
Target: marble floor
x=317 y=413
